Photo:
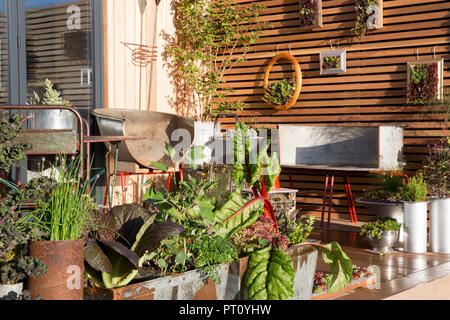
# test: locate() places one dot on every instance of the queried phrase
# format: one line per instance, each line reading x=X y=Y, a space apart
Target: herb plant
x=416 y=190
x=11 y=153
x=280 y=92
x=437 y=168
x=389 y=189
x=211 y=38
x=423 y=84
x=378 y=225
x=302 y=230
x=48 y=96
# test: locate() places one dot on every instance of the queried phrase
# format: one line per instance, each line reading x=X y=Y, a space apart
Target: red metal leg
x=350 y=196
x=330 y=205
x=325 y=191
x=350 y=211
x=169 y=180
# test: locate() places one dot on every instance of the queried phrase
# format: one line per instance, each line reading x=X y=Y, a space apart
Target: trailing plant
x=389 y=189
x=308 y=12
x=416 y=190
x=126 y=238
x=211 y=38
x=378 y=225
x=363 y=13
x=66 y=213
x=331 y=62
x=11 y=153
x=320 y=278
x=423 y=84
x=280 y=92
x=437 y=168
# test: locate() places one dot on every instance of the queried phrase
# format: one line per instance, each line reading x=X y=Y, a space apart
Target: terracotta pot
x=65 y=263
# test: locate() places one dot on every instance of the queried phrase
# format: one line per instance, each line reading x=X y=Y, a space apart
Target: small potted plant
x=333 y=62
x=369 y=16
x=311 y=14
x=381 y=232
x=414 y=196
x=64 y=217
x=437 y=175
x=425 y=81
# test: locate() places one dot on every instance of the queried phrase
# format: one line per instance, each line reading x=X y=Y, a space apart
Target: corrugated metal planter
x=65 y=263
x=305 y=262
x=191 y=285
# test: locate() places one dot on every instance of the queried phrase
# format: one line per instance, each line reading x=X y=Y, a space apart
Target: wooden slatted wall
x=372 y=92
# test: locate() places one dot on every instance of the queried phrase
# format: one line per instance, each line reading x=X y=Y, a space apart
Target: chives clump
x=67 y=211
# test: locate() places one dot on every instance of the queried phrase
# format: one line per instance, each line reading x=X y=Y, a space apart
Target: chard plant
x=211 y=38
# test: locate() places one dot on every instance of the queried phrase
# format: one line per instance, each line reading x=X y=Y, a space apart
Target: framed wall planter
x=310 y=14
x=369 y=16
x=333 y=62
x=424 y=81
x=282 y=95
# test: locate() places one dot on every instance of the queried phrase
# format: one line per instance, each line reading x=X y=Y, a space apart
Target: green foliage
x=388 y=190
x=16 y=270
x=280 y=92
x=302 y=230
x=50 y=96
x=378 y=225
x=340 y=265
x=11 y=153
x=416 y=190
x=66 y=213
x=271 y=275
x=211 y=251
x=211 y=38
x=331 y=62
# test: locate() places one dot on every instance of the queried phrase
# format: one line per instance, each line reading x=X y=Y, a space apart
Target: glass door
x=4 y=68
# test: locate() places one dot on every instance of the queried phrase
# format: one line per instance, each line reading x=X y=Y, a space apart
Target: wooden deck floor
x=401 y=274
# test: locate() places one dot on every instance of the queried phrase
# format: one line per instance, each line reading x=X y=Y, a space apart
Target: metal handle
x=236 y=120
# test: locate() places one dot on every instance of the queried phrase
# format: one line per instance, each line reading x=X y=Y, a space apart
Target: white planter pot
x=11 y=291
x=415 y=227
x=440 y=225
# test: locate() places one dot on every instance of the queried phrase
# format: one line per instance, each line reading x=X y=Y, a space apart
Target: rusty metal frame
x=77 y=114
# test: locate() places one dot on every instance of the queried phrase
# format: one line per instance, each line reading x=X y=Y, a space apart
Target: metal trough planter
x=191 y=285
x=305 y=262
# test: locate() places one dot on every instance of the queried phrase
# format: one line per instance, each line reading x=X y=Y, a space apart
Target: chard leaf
x=271 y=275
x=340 y=265
x=122 y=223
x=240 y=146
x=96 y=258
x=150 y=236
x=271 y=170
x=160 y=166
x=123 y=252
x=235 y=214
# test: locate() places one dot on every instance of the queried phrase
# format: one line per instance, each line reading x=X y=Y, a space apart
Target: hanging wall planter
x=311 y=14
x=333 y=62
x=425 y=81
x=369 y=16
x=282 y=95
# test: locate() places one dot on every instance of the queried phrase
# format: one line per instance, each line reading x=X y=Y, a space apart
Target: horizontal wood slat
x=371 y=92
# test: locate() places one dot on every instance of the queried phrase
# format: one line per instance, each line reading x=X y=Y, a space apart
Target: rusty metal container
x=191 y=285
x=159 y=128
x=65 y=263
x=305 y=262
